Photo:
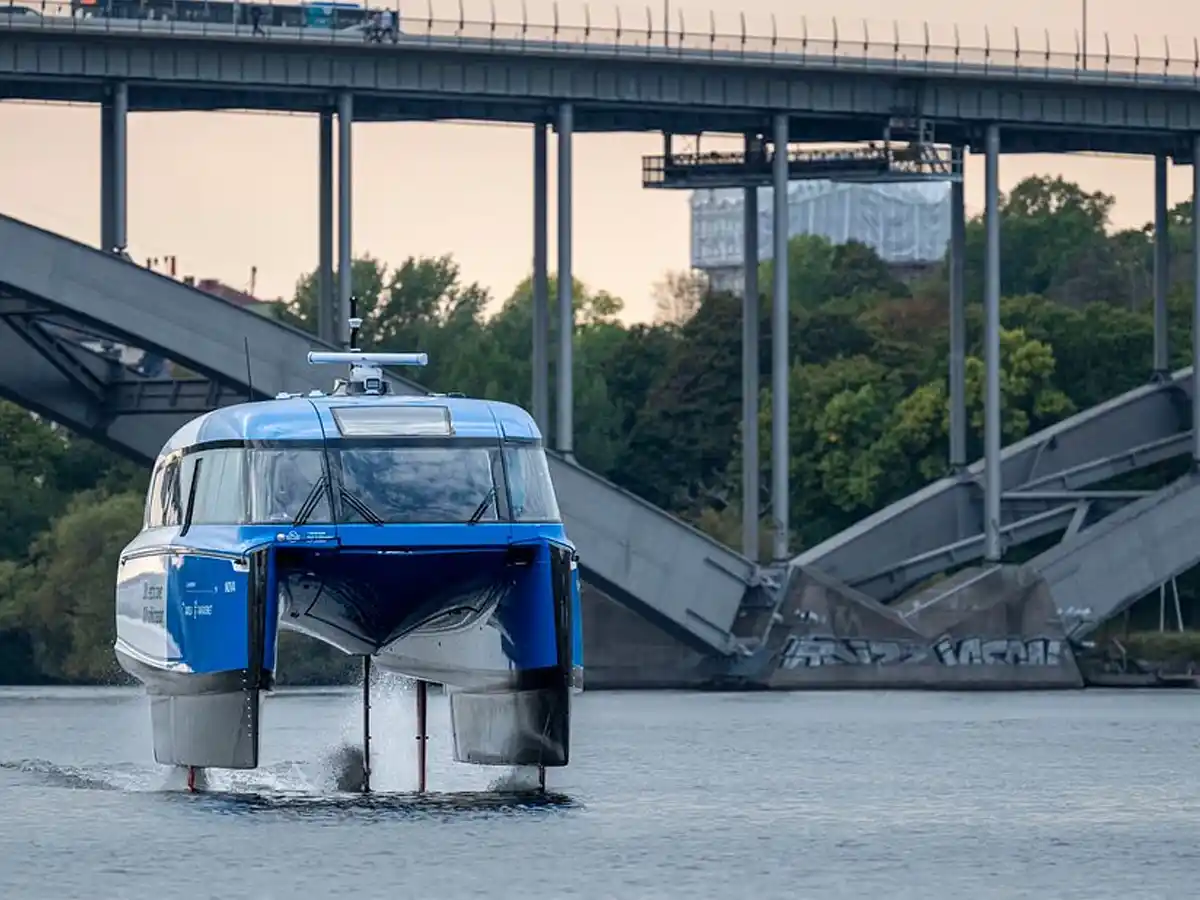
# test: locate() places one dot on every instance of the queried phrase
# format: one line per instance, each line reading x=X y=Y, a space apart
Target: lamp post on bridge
x=1083 y=34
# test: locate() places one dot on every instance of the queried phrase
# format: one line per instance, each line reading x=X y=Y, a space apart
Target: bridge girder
x=1043 y=478
x=96 y=396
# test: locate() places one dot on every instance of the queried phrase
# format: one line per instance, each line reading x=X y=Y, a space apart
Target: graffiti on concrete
x=810 y=652
x=999 y=652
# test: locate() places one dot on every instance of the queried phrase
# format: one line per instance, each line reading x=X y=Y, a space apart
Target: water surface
x=902 y=795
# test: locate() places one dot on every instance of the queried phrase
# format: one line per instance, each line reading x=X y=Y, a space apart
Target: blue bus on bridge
x=332 y=15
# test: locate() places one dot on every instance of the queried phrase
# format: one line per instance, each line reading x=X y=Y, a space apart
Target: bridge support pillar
x=541 y=285
x=991 y=348
x=958 y=325
x=327 y=328
x=114 y=114
x=1195 y=305
x=779 y=342
x=566 y=282
x=345 y=116
x=958 y=345
x=1162 y=243
x=750 y=377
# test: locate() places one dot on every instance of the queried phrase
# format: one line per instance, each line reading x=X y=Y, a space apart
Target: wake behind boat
x=418 y=532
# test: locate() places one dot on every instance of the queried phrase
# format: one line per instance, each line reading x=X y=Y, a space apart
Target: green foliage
x=1170 y=647
x=657 y=408
x=55 y=595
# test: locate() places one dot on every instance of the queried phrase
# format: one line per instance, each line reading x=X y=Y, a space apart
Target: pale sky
x=225 y=192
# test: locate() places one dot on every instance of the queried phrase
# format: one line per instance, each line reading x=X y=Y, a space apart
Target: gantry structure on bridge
x=901 y=108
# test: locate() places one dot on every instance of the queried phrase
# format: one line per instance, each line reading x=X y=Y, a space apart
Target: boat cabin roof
x=314 y=418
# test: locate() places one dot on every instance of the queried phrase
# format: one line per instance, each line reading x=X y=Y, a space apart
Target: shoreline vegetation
x=657 y=405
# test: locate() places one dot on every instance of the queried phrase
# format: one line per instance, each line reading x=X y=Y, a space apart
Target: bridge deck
x=1101 y=571
x=675 y=576
x=618 y=80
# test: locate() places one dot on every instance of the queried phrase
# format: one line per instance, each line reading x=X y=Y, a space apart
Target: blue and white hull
x=499 y=626
x=199 y=630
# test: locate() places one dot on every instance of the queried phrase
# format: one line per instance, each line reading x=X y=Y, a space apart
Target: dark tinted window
x=529 y=484
x=422 y=484
x=281 y=482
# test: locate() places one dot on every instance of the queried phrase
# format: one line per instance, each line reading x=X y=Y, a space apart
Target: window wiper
x=309 y=506
x=361 y=508
x=483 y=506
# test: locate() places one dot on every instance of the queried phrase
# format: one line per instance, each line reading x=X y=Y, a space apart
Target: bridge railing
x=608 y=30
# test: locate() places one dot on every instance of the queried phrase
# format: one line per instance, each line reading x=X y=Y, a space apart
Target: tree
x=682 y=436
x=41 y=465
x=820 y=271
x=63 y=597
x=861 y=440
x=678 y=296
x=1051 y=231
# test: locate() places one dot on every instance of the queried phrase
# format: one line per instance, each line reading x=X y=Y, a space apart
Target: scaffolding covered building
x=907 y=224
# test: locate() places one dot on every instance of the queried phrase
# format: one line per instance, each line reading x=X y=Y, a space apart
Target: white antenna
x=366 y=372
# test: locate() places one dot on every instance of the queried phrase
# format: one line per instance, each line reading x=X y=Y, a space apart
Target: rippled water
x=1089 y=795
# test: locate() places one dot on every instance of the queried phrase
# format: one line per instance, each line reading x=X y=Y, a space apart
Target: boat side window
x=220 y=493
x=163 y=503
x=529 y=484
x=282 y=483
x=153 y=510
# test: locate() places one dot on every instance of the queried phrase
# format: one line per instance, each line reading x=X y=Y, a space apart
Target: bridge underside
x=598 y=117
x=85 y=340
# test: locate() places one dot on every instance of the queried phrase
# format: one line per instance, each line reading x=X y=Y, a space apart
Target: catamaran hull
x=502 y=635
x=208 y=721
x=205 y=656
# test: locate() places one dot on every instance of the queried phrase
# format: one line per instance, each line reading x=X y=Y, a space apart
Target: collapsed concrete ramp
x=986 y=629
x=1010 y=600
x=1104 y=569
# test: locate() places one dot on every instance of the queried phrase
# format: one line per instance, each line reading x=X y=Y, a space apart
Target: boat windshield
x=402 y=484
x=414 y=484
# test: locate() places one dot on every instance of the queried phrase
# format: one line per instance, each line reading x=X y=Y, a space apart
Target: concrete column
x=958 y=325
x=779 y=342
x=541 y=285
x=345 y=258
x=327 y=328
x=750 y=378
x=106 y=175
x=1162 y=243
x=566 y=308
x=120 y=165
x=1195 y=305
x=991 y=348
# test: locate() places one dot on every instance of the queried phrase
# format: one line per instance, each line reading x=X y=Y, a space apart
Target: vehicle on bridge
x=418 y=532
x=335 y=14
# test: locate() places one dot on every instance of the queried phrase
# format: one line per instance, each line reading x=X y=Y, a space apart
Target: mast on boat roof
x=366 y=369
